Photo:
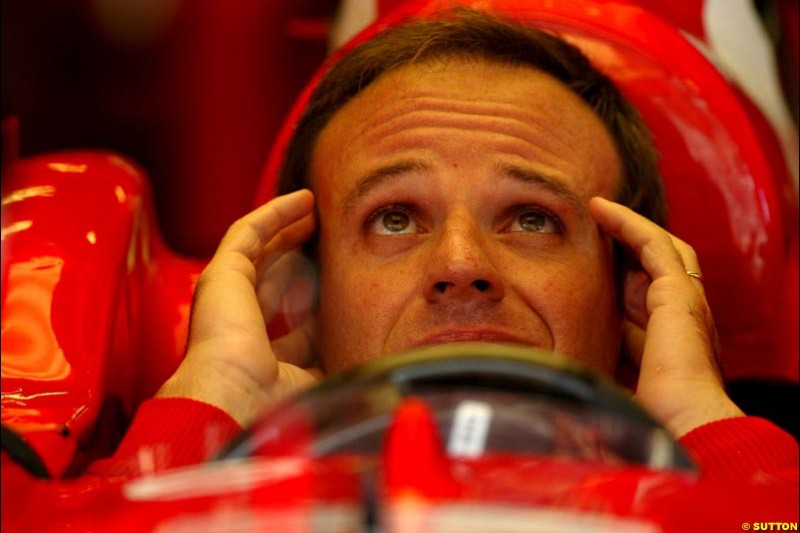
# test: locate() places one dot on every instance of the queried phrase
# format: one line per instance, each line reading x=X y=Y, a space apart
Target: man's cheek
x=372 y=306
x=354 y=301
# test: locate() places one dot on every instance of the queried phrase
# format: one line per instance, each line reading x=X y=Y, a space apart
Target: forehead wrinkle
x=549 y=183
x=378 y=176
x=503 y=117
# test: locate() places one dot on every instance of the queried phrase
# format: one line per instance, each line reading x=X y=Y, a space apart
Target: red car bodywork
x=96 y=306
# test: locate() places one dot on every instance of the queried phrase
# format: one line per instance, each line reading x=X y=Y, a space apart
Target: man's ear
x=634 y=297
x=630 y=357
x=296 y=302
x=299 y=301
x=634 y=326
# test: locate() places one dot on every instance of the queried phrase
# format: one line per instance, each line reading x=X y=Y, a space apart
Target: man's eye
x=392 y=222
x=533 y=221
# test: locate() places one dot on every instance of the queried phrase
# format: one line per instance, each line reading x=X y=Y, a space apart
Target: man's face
x=452 y=200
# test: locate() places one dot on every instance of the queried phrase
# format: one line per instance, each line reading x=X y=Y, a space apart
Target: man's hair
x=464 y=33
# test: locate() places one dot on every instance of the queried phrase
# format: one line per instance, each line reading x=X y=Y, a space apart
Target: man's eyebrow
x=378 y=176
x=550 y=184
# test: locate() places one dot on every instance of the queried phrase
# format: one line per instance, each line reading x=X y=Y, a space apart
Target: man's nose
x=461 y=265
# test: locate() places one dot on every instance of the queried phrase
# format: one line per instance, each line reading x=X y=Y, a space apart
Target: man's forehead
x=453 y=76
x=464 y=87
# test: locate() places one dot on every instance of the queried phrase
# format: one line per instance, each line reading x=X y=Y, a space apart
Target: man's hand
x=669 y=330
x=230 y=360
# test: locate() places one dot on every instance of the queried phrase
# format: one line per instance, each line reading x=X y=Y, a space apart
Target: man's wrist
x=704 y=413
x=234 y=394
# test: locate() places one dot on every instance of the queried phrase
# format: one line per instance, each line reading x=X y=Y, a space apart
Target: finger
x=225 y=303
x=225 y=306
x=297 y=346
x=690 y=262
x=652 y=244
x=664 y=257
x=288 y=238
x=251 y=233
x=248 y=263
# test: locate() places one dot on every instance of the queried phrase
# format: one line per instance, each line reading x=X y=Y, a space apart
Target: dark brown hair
x=472 y=34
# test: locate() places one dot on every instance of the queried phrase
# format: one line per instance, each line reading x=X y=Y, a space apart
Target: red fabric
x=169 y=433
x=745 y=449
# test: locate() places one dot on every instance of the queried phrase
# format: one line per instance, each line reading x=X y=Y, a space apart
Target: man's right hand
x=669 y=330
x=230 y=360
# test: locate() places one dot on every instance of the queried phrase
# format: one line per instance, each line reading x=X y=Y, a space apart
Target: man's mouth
x=469 y=335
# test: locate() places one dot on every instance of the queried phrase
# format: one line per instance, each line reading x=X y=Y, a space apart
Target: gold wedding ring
x=695 y=274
